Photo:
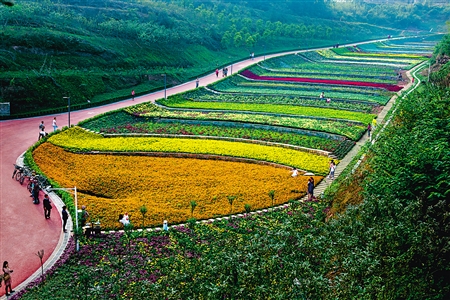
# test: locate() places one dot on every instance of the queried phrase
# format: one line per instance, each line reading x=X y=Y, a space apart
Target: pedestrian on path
x=332 y=169
x=197 y=82
x=47 y=206
x=310 y=188
x=65 y=216
x=7 y=278
x=55 y=126
x=369 y=129
x=132 y=94
x=41 y=130
x=374 y=123
x=217 y=72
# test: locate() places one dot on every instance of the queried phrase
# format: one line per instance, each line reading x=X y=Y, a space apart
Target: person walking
x=197 y=82
x=217 y=73
x=369 y=129
x=132 y=94
x=332 y=169
x=55 y=126
x=374 y=123
x=7 y=278
x=310 y=188
x=47 y=206
x=65 y=216
x=41 y=130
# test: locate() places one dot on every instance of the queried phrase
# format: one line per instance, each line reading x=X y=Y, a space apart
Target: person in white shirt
x=54 y=124
x=294 y=172
x=124 y=219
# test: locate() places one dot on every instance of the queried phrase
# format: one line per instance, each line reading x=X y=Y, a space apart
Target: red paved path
x=23 y=229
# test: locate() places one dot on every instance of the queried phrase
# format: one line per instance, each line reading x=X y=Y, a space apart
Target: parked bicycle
x=20 y=173
x=17 y=171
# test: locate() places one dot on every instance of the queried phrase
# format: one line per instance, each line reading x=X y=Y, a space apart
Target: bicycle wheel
x=22 y=178
x=18 y=175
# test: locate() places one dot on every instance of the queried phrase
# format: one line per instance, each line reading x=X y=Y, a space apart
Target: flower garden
x=166 y=185
x=267 y=114
x=211 y=152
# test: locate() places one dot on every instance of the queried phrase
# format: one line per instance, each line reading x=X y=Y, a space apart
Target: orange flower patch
x=110 y=184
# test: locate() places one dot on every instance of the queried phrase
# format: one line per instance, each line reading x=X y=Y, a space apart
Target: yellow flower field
x=79 y=140
x=113 y=184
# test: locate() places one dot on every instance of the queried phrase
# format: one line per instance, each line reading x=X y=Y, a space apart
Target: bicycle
x=26 y=173
x=17 y=172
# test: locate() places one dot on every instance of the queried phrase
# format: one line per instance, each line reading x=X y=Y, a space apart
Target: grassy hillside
x=100 y=50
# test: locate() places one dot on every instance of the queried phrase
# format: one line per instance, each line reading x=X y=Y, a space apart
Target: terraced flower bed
x=326 y=72
x=240 y=84
x=330 y=54
x=351 y=130
x=283 y=109
x=389 y=87
x=114 y=184
x=330 y=57
x=203 y=94
x=299 y=63
x=346 y=52
x=79 y=140
x=124 y=123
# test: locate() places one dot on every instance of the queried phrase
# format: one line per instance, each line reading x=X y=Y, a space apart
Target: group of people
x=311 y=185
x=294 y=173
x=42 y=132
x=225 y=72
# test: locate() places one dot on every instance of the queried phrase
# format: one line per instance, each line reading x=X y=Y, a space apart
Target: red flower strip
x=389 y=87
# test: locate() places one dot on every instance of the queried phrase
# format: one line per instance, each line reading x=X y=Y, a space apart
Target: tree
x=237 y=39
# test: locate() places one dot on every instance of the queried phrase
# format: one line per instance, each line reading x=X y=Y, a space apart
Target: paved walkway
x=23 y=229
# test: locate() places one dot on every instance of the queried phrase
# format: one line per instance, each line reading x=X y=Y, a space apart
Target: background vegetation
x=100 y=50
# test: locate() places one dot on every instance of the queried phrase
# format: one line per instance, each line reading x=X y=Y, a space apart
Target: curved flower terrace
x=390 y=87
